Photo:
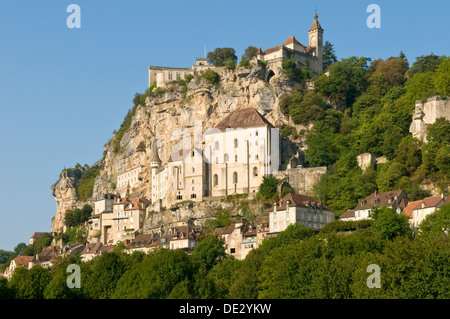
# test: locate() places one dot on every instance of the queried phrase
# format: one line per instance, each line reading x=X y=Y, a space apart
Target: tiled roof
x=136 y=203
x=23 y=260
x=428 y=202
x=411 y=206
x=348 y=214
x=376 y=199
x=296 y=200
x=291 y=40
x=244 y=118
x=316 y=25
x=38 y=235
x=224 y=230
x=273 y=49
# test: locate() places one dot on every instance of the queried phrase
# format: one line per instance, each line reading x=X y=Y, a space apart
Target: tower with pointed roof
x=316 y=39
x=155 y=161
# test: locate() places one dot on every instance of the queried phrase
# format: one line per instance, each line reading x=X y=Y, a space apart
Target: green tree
x=441 y=78
x=268 y=188
x=221 y=55
x=389 y=224
x=439 y=221
x=424 y=64
x=104 y=273
x=329 y=56
x=19 y=248
x=345 y=82
x=208 y=253
x=248 y=55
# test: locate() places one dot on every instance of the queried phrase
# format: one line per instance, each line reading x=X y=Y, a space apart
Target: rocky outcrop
x=168 y=116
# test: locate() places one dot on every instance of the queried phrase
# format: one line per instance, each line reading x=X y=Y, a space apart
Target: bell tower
x=316 y=41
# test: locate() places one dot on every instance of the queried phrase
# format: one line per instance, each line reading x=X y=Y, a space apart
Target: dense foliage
x=372 y=108
x=295 y=264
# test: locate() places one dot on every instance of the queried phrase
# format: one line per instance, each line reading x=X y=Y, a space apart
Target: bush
x=211 y=76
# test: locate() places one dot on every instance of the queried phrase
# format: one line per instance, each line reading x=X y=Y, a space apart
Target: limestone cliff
x=168 y=111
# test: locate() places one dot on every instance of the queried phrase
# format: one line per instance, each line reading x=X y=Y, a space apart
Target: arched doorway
x=270 y=74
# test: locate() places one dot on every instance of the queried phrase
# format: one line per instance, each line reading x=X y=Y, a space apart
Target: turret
x=155 y=161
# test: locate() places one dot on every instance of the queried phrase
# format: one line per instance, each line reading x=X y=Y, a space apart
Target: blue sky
x=63 y=91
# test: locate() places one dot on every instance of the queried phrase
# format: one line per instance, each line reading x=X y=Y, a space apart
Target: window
x=232 y=250
x=255 y=171
x=215 y=180
x=124 y=227
x=256 y=133
x=235 y=158
x=170 y=75
x=235 y=143
x=192 y=182
x=235 y=177
x=216 y=145
x=178 y=75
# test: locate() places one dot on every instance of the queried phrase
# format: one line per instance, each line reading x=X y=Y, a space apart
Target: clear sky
x=63 y=91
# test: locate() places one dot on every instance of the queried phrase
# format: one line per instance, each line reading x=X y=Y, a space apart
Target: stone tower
x=316 y=40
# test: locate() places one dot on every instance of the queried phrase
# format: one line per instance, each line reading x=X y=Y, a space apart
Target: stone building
x=417 y=211
x=396 y=199
x=426 y=113
x=241 y=150
x=366 y=161
x=162 y=75
x=299 y=209
x=310 y=56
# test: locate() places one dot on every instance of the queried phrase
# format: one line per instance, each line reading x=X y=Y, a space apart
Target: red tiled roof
x=428 y=202
x=273 y=49
x=291 y=40
x=23 y=260
x=411 y=206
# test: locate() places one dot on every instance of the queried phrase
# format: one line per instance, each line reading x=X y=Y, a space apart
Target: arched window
x=236 y=143
x=215 y=180
x=235 y=177
x=255 y=171
x=216 y=145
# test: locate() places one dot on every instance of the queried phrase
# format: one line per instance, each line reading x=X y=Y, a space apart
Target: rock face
x=169 y=116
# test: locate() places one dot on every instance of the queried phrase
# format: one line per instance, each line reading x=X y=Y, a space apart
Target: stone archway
x=270 y=74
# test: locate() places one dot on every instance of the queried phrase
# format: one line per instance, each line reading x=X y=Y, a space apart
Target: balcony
x=249 y=240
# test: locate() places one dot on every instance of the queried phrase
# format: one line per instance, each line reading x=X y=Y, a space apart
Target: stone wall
x=426 y=113
x=302 y=179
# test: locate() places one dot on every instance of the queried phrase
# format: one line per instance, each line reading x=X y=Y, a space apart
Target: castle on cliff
x=310 y=56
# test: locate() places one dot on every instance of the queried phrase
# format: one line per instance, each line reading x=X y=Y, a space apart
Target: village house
x=45 y=258
x=418 y=210
x=36 y=236
x=396 y=199
x=301 y=210
x=232 y=236
x=95 y=249
x=19 y=261
x=262 y=228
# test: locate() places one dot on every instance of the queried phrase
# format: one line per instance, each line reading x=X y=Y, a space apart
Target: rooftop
x=243 y=118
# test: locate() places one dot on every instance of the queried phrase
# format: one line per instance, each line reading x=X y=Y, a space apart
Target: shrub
x=211 y=76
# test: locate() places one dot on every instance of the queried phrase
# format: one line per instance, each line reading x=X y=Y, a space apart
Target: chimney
x=287 y=205
x=274 y=207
